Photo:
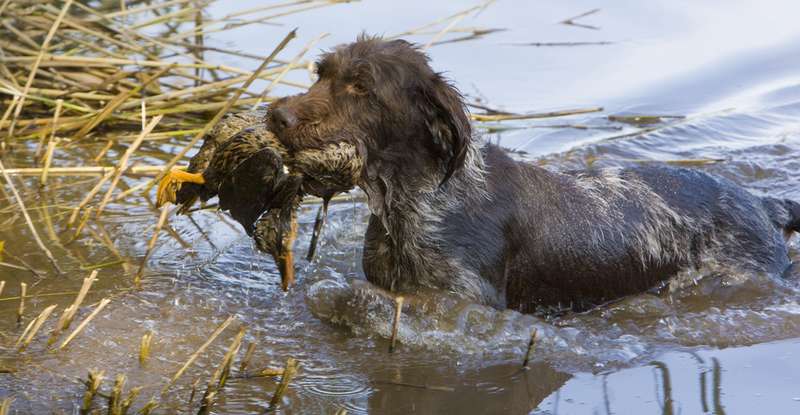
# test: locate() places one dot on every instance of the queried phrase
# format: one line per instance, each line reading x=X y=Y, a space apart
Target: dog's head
x=406 y=121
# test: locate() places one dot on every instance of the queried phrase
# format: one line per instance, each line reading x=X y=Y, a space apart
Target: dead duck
x=243 y=163
x=246 y=171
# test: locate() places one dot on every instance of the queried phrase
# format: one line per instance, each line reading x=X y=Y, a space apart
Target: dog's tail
x=784 y=213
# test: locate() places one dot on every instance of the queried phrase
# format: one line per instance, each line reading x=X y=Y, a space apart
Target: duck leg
x=169 y=185
x=322 y=216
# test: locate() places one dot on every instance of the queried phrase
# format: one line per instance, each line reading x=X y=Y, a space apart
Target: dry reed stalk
x=88 y=198
x=208 y=401
x=23 y=289
x=81 y=224
x=92 y=386
x=198 y=40
x=103 y=151
x=4 y=119
x=150 y=245
x=144 y=348
x=551 y=114
x=227 y=360
x=529 y=352
x=58 y=61
x=130 y=191
x=85 y=286
x=3 y=6
x=288 y=374
x=5 y=405
x=341 y=411
x=128 y=401
x=288 y=67
x=81 y=171
x=220 y=375
x=27 y=329
x=2 y=285
x=420 y=29
x=146 y=8
x=59 y=324
x=197 y=353
x=149 y=407
x=48 y=158
x=115 y=398
x=251 y=348
x=56 y=116
x=22 y=344
x=194 y=392
x=452 y=24
x=36 y=63
x=103 y=303
x=230 y=103
x=398 y=310
x=123 y=163
x=115 y=103
x=28 y=218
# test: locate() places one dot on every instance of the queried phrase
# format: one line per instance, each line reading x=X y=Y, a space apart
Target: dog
x=451 y=213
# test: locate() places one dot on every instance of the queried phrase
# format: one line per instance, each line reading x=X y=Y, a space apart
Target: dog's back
x=579 y=239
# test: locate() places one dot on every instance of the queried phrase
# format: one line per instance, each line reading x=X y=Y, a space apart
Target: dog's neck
x=412 y=213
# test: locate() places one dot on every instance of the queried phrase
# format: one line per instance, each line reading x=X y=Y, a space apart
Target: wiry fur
x=449 y=213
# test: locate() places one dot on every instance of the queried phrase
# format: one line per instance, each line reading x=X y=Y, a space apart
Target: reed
x=36 y=63
x=69 y=312
x=197 y=353
x=115 y=397
x=289 y=372
x=22 y=344
x=248 y=354
x=23 y=290
x=137 y=281
x=149 y=407
x=5 y=404
x=92 y=386
x=123 y=163
x=103 y=303
x=398 y=310
x=28 y=220
x=220 y=375
x=144 y=348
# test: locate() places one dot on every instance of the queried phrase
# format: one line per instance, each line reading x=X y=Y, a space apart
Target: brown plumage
x=243 y=163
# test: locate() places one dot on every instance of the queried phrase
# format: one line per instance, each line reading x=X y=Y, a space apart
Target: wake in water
x=718 y=310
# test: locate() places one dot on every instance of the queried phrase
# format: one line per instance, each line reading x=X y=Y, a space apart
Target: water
x=718 y=345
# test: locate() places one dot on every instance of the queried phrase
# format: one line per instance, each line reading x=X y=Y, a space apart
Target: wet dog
x=453 y=214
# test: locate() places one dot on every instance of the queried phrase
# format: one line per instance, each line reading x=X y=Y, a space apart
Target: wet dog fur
x=451 y=213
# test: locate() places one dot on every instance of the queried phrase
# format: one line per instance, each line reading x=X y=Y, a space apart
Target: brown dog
x=453 y=214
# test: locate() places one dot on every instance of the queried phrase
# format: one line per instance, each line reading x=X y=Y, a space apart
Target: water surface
x=728 y=72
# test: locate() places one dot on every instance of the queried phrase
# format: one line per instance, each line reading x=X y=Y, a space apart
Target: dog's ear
x=447 y=122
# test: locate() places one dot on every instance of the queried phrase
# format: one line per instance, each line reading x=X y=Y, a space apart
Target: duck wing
x=230 y=125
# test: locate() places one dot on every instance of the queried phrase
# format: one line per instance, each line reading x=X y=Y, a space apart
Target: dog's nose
x=283 y=118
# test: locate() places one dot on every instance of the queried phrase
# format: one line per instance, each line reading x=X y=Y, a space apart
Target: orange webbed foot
x=169 y=185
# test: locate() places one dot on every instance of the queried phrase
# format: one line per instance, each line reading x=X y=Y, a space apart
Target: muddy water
x=729 y=70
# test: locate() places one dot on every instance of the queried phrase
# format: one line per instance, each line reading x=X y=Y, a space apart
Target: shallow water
x=719 y=345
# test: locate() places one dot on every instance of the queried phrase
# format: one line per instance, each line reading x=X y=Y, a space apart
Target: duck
x=260 y=184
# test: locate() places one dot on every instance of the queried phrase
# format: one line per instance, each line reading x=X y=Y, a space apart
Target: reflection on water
x=703 y=345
